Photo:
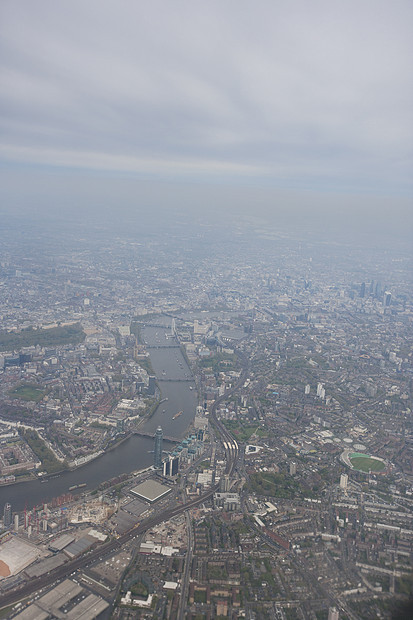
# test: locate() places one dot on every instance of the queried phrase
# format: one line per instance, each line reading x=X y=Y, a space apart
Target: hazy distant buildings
x=378 y=290
x=387 y=299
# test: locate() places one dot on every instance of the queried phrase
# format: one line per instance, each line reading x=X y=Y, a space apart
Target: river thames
x=177 y=386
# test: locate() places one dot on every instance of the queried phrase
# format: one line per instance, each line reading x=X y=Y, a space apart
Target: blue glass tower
x=157 y=461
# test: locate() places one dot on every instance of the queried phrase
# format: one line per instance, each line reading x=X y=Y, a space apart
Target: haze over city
x=284 y=108
x=206 y=310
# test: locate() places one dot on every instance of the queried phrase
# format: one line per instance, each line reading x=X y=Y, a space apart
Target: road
x=187 y=569
x=232 y=452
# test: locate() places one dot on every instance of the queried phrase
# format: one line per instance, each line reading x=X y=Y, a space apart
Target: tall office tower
x=343 y=482
x=333 y=613
x=362 y=289
x=378 y=290
x=387 y=299
x=224 y=484
x=293 y=468
x=151 y=385
x=175 y=466
x=307 y=389
x=166 y=468
x=7 y=518
x=157 y=460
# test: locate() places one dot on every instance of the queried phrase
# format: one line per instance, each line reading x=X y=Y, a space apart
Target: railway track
x=232 y=453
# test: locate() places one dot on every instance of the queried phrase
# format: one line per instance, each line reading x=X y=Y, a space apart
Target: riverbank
x=128 y=452
x=21 y=479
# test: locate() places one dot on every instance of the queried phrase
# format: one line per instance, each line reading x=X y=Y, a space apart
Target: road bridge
x=163 y=346
x=146 y=324
x=61 y=572
x=188 y=380
x=152 y=435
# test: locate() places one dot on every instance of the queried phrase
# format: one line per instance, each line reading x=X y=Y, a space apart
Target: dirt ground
x=4 y=569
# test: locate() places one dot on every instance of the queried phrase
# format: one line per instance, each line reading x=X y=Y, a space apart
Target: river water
x=175 y=382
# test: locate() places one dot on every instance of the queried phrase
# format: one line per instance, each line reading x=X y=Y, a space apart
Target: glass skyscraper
x=157 y=461
x=7 y=515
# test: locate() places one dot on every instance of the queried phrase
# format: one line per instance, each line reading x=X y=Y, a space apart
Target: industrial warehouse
x=151 y=491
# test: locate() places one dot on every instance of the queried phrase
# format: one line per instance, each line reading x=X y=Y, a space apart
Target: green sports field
x=366 y=463
x=28 y=392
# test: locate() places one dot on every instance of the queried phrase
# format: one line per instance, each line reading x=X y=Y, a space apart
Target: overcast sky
x=286 y=98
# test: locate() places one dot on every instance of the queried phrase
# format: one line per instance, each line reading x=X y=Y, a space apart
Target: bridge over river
x=151 y=435
x=163 y=346
x=163 y=380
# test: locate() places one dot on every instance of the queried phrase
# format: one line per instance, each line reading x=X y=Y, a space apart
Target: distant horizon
x=292 y=113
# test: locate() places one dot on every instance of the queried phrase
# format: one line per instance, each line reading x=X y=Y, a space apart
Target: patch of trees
x=68 y=334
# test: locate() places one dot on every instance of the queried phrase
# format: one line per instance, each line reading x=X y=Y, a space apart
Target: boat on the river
x=177 y=415
x=77 y=486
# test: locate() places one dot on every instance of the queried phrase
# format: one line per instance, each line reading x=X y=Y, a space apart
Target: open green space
x=28 y=392
x=46 y=456
x=139 y=589
x=68 y=334
x=145 y=363
x=366 y=463
x=200 y=596
x=244 y=432
x=219 y=362
x=274 y=484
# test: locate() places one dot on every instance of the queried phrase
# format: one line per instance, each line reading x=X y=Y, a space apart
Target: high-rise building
x=362 y=289
x=225 y=484
x=157 y=460
x=7 y=516
x=170 y=466
x=387 y=299
x=343 y=481
x=333 y=613
x=175 y=466
x=293 y=468
x=378 y=290
x=166 y=468
x=151 y=385
x=24 y=358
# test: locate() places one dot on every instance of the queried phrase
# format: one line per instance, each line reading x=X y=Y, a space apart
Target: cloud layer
x=314 y=95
